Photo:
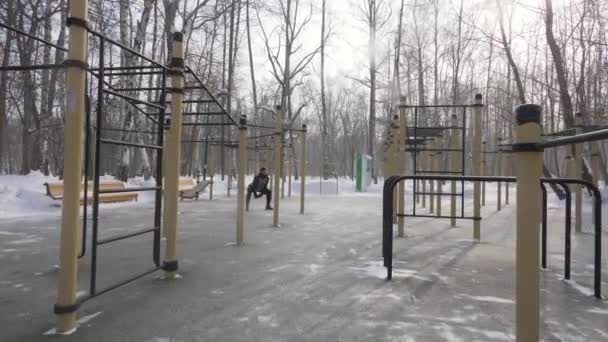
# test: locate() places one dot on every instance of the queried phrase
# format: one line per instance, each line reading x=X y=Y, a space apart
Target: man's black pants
x=266 y=192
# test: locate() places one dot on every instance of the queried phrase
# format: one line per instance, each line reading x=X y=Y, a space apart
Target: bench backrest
x=56 y=189
x=186 y=183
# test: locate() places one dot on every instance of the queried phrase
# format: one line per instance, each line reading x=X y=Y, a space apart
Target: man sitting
x=259 y=187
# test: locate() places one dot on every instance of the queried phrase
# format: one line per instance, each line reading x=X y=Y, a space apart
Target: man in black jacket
x=259 y=187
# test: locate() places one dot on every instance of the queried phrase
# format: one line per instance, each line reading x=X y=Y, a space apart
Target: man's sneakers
x=268 y=207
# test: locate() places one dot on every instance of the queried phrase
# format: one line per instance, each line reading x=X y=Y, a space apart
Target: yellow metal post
x=240 y=194
x=303 y=169
x=173 y=158
x=67 y=301
x=527 y=251
x=278 y=149
x=401 y=150
x=477 y=167
x=453 y=161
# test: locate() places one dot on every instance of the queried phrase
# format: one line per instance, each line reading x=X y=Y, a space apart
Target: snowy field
x=317 y=278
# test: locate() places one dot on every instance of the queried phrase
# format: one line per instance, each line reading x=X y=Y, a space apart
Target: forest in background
x=256 y=54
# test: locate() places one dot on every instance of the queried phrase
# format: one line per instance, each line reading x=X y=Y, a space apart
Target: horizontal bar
x=128 y=130
x=125 y=143
x=125 y=236
x=126 y=48
x=193 y=101
x=23 y=33
x=434 y=127
x=440 y=193
x=118 y=191
x=117 y=285
x=133 y=67
x=209 y=124
x=433 y=150
x=441 y=106
x=574 y=139
x=133 y=99
x=439 y=172
x=446 y=217
x=154 y=88
x=32 y=67
x=135 y=73
x=193 y=113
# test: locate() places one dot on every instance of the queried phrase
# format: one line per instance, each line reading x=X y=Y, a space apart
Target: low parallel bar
x=126 y=236
x=130 y=144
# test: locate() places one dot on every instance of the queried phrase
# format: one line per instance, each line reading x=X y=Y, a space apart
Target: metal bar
x=125 y=236
x=125 y=143
x=128 y=130
x=435 y=127
x=132 y=99
x=117 y=285
x=434 y=150
x=158 y=196
x=207 y=124
x=441 y=106
x=133 y=67
x=126 y=48
x=463 y=156
x=23 y=33
x=192 y=113
x=441 y=193
x=439 y=172
x=567 y=232
x=543 y=253
x=190 y=71
x=31 y=67
x=87 y=147
x=95 y=218
x=443 y=216
x=574 y=139
x=415 y=155
x=194 y=101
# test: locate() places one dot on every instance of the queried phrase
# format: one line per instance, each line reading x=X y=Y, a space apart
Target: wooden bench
x=189 y=189
x=55 y=191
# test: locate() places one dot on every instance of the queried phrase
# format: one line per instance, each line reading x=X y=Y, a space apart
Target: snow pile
x=26 y=195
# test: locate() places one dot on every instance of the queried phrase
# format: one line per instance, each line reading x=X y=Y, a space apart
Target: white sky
x=346 y=53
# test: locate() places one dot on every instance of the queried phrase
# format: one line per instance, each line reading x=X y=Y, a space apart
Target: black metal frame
x=420 y=139
x=388 y=210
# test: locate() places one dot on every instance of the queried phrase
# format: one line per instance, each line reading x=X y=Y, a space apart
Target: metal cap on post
x=240 y=207
x=529 y=203
x=303 y=169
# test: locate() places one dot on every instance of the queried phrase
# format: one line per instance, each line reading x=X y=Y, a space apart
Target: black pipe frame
x=388 y=210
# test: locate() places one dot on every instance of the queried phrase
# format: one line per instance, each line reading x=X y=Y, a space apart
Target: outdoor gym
x=466 y=236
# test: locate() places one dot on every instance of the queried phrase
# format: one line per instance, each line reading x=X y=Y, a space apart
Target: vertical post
x=303 y=169
x=438 y=163
x=173 y=157
x=483 y=172
x=401 y=156
x=498 y=173
x=527 y=253
x=283 y=157
x=278 y=151
x=394 y=160
x=432 y=157
x=67 y=304
x=289 y=166
x=229 y=170
x=578 y=174
x=595 y=167
x=425 y=158
x=240 y=191
x=453 y=167
x=211 y=165
x=477 y=167
x=507 y=172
